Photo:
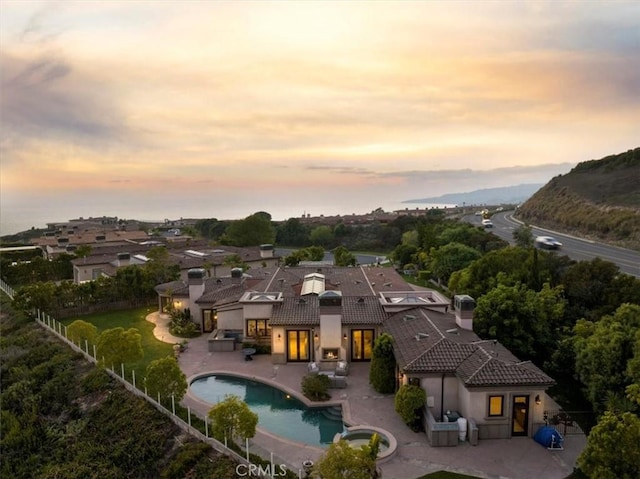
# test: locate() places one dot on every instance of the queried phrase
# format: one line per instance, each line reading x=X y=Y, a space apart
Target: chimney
x=236 y=272
x=124 y=259
x=464 y=306
x=196 y=277
x=266 y=251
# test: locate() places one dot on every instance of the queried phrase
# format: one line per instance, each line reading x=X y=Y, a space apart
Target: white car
x=487 y=223
x=548 y=242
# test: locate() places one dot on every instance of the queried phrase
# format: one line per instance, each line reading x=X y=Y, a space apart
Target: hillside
x=599 y=199
x=64 y=418
x=488 y=196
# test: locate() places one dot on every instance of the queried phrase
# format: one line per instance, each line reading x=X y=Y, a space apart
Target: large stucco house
x=325 y=314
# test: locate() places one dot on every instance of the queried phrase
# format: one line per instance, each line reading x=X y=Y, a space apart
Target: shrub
x=409 y=400
x=316 y=387
x=188 y=456
x=382 y=373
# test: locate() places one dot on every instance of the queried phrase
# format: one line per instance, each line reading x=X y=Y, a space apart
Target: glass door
x=298 y=345
x=520 y=416
x=362 y=344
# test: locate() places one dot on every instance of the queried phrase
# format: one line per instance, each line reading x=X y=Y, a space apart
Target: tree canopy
x=119 y=346
x=164 y=377
x=254 y=230
x=612 y=450
x=232 y=419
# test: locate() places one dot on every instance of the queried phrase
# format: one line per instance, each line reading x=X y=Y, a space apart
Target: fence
x=570 y=422
x=89 y=353
x=9 y=291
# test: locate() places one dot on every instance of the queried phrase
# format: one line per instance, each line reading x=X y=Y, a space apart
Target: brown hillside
x=599 y=199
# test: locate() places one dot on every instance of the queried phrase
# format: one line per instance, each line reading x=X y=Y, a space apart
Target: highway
x=575 y=248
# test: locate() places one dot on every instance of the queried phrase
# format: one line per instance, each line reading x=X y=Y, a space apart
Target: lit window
x=258 y=327
x=496 y=406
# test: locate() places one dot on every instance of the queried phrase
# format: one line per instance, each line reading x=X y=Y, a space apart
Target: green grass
x=133 y=318
x=446 y=475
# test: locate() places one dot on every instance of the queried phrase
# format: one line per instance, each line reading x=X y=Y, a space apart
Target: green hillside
x=599 y=199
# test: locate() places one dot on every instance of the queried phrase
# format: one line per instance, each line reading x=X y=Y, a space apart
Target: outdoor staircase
x=333 y=412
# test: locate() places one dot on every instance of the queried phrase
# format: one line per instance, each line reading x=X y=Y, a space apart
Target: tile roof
x=428 y=341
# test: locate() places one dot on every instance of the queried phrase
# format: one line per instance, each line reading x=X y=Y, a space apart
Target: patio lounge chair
x=313 y=368
x=342 y=368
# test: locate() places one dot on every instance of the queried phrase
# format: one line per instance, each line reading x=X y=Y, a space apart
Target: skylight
x=313 y=284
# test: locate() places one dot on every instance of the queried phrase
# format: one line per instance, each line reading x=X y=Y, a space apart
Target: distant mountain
x=489 y=196
x=597 y=198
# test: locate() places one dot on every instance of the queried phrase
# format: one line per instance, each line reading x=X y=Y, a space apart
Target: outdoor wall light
x=344 y=337
x=315 y=336
x=279 y=336
x=538 y=400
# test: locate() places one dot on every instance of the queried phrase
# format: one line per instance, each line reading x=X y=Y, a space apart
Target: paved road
x=576 y=248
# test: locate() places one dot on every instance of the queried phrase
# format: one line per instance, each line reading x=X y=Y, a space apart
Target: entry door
x=209 y=320
x=520 y=416
x=362 y=344
x=298 y=345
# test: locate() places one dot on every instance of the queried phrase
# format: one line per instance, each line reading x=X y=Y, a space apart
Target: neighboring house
x=106 y=258
x=325 y=314
x=464 y=375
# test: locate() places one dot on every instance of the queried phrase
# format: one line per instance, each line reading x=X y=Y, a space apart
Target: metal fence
x=570 y=422
x=89 y=352
x=9 y=291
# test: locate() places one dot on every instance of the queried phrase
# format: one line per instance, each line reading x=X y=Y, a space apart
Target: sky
x=218 y=109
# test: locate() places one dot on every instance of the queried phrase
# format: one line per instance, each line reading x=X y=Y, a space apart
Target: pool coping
x=346 y=411
x=386 y=455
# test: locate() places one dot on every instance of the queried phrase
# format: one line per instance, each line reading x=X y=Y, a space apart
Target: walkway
x=516 y=458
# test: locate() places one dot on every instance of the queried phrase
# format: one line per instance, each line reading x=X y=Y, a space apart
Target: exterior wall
x=474 y=404
x=86 y=273
x=330 y=336
x=278 y=345
x=257 y=311
x=436 y=401
x=231 y=319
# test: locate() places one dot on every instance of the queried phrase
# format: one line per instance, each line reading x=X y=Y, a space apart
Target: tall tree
x=119 y=346
x=450 y=258
x=525 y=321
x=292 y=233
x=254 y=230
x=80 y=331
x=343 y=257
x=342 y=461
x=321 y=236
x=612 y=450
x=382 y=373
x=232 y=419
x=164 y=377
x=605 y=353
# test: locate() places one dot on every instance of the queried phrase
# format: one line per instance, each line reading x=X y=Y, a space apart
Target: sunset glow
x=185 y=102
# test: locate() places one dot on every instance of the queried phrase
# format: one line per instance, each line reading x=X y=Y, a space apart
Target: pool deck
x=516 y=458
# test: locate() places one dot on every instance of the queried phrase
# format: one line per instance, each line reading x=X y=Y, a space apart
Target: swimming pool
x=278 y=412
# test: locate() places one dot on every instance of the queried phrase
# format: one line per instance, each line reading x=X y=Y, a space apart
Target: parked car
x=548 y=242
x=487 y=223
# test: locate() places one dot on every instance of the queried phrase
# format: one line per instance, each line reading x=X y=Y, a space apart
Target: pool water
x=278 y=412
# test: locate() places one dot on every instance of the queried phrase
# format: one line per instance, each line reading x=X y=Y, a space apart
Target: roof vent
x=361 y=300
x=452 y=331
x=420 y=336
x=302 y=301
x=388 y=284
x=409 y=317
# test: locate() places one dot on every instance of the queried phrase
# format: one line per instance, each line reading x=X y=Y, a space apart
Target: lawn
x=133 y=318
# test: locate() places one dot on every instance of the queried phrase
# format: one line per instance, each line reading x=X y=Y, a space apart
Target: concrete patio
x=517 y=458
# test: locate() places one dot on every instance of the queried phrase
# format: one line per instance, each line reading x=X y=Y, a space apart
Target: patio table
x=248 y=353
